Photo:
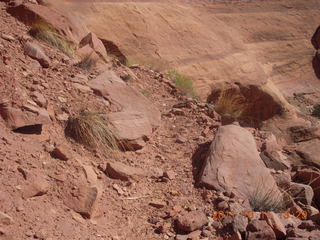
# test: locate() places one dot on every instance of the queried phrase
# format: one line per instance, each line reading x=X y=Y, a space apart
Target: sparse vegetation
x=183 y=83
x=230 y=103
x=266 y=198
x=43 y=31
x=92 y=130
x=146 y=92
x=87 y=63
x=126 y=77
x=316 y=110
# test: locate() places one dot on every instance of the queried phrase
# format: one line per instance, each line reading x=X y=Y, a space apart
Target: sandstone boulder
x=258 y=229
x=34 y=51
x=29 y=116
x=233 y=163
x=96 y=44
x=126 y=99
x=275 y=223
x=130 y=128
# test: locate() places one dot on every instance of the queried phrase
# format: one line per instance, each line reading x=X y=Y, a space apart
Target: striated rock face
x=250 y=41
x=63 y=21
x=233 y=163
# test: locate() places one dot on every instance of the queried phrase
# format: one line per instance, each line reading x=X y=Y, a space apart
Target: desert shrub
x=183 y=83
x=146 y=92
x=87 y=63
x=44 y=32
x=91 y=130
x=316 y=110
x=266 y=198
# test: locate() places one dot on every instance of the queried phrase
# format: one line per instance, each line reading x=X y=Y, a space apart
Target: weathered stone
x=34 y=51
x=125 y=98
x=308 y=151
x=130 y=128
x=36 y=186
x=39 y=99
x=29 y=116
x=258 y=229
x=123 y=172
x=302 y=133
x=5 y=219
x=82 y=199
x=275 y=223
x=301 y=193
x=192 y=221
x=64 y=22
x=61 y=152
x=233 y=162
x=96 y=44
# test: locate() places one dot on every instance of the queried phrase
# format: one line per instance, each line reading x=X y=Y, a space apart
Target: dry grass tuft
x=316 y=111
x=93 y=131
x=43 y=31
x=266 y=198
x=87 y=63
x=230 y=103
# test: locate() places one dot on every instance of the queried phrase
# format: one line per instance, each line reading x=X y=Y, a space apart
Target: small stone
x=61 y=152
x=158 y=204
x=5 y=219
x=170 y=174
x=7 y=37
x=192 y=221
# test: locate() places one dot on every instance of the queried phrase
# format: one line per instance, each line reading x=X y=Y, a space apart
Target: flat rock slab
x=233 y=163
x=124 y=172
x=309 y=151
x=114 y=89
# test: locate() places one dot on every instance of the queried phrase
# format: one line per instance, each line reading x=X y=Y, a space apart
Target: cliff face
x=212 y=41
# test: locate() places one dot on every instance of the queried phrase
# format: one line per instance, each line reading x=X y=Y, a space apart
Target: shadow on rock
x=198 y=159
x=316 y=65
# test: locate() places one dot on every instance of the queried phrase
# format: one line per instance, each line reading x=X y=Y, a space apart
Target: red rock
x=275 y=223
x=63 y=21
x=170 y=174
x=303 y=193
x=233 y=162
x=61 y=152
x=130 y=128
x=34 y=51
x=16 y=118
x=126 y=99
x=123 y=172
x=39 y=99
x=5 y=219
x=158 y=204
x=258 y=229
x=192 y=221
x=82 y=200
x=35 y=186
x=96 y=44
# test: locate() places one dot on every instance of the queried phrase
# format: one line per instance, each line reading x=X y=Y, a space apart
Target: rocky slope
x=179 y=166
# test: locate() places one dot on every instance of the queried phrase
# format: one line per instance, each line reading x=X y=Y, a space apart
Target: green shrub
x=44 y=32
x=182 y=83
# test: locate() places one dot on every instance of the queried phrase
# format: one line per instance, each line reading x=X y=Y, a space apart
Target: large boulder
x=125 y=98
x=131 y=128
x=64 y=22
x=233 y=163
